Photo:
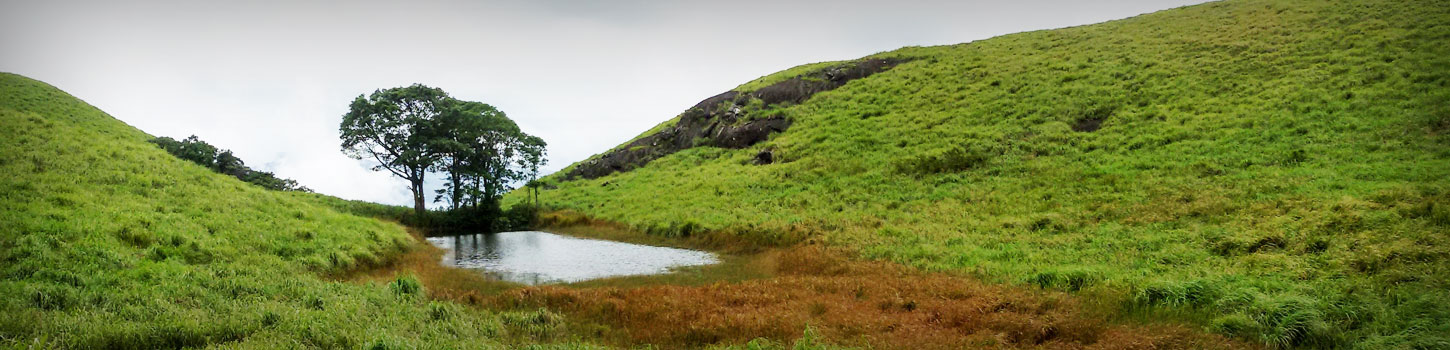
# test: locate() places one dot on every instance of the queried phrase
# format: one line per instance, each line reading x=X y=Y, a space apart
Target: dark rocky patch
x=800 y=88
x=725 y=120
x=766 y=156
x=1093 y=120
x=1087 y=125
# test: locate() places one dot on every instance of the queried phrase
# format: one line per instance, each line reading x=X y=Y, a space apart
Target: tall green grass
x=1278 y=168
x=108 y=242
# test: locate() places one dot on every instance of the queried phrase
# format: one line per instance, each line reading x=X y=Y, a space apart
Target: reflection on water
x=534 y=257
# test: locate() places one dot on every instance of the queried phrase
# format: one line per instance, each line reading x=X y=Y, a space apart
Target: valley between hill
x=1237 y=174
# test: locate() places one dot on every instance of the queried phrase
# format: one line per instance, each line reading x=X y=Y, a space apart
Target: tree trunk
x=534 y=180
x=476 y=192
x=457 y=195
x=468 y=189
x=418 y=206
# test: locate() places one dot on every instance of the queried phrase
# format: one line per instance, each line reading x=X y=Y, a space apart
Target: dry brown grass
x=852 y=303
x=425 y=262
x=776 y=293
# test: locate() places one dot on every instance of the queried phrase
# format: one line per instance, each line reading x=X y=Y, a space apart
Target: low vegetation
x=799 y=296
x=223 y=161
x=847 y=304
x=1272 y=171
x=109 y=242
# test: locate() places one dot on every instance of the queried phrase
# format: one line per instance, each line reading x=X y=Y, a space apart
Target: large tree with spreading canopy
x=411 y=131
x=391 y=127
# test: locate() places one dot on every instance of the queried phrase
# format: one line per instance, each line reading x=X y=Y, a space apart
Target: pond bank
x=538 y=257
x=776 y=292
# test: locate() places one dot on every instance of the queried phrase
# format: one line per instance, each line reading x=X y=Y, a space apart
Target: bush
x=1189 y=293
x=224 y=162
x=954 y=159
x=519 y=217
x=407 y=286
x=1070 y=280
x=1289 y=322
x=483 y=218
x=1237 y=324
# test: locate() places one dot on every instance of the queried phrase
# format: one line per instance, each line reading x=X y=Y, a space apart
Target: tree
x=412 y=131
x=482 y=152
x=462 y=131
x=533 y=186
x=191 y=148
x=228 y=163
x=532 y=157
x=223 y=161
x=392 y=127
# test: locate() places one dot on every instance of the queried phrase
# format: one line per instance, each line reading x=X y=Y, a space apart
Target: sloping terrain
x=730 y=119
x=108 y=242
x=1270 y=170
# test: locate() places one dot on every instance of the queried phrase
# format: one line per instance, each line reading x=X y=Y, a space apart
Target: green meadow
x=1271 y=171
x=108 y=242
x=1274 y=171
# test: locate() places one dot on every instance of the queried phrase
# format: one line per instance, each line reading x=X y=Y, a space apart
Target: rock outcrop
x=730 y=119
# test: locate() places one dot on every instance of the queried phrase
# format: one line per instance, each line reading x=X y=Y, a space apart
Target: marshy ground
x=775 y=293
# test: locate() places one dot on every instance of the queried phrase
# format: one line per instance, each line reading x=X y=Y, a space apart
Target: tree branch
x=384 y=165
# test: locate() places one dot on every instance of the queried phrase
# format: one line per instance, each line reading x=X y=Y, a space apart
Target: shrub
x=1235 y=324
x=406 y=286
x=1177 y=293
x=1070 y=280
x=440 y=311
x=953 y=159
x=1287 y=322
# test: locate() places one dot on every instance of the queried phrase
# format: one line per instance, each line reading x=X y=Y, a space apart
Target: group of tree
x=416 y=130
x=223 y=161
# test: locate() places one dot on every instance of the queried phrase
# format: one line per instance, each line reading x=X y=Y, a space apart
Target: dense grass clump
x=1276 y=169
x=108 y=242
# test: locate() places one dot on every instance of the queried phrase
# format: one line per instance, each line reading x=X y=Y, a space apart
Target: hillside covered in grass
x=1274 y=171
x=108 y=242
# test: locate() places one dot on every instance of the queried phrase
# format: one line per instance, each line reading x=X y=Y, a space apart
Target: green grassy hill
x=108 y=242
x=1271 y=170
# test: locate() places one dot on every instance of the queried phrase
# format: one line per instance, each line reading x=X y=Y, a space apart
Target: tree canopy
x=223 y=161
x=412 y=131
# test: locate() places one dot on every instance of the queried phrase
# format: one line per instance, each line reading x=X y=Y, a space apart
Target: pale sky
x=270 y=80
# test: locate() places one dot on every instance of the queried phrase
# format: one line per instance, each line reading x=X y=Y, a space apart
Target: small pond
x=534 y=257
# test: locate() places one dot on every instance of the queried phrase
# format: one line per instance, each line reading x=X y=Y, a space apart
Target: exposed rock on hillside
x=731 y=119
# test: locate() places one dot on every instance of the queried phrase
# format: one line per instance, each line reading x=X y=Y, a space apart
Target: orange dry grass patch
x=442 y=282
x=851 y=303
x=854 y=303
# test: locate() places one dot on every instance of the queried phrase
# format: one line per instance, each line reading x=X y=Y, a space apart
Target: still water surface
x=534 y=257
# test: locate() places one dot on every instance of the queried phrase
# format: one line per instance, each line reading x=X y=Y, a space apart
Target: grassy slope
x=109 y=242
x=1275 y=170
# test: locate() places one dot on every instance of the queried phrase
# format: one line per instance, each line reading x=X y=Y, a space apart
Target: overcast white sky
x=270 y=80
